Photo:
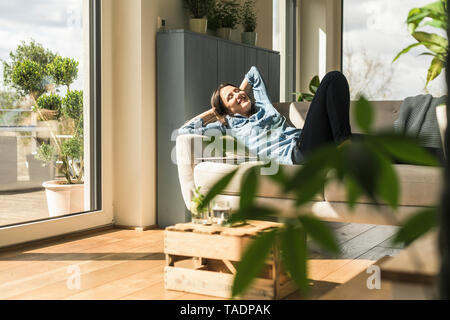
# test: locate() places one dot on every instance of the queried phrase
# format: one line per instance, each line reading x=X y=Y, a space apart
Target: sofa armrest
x=189 y=148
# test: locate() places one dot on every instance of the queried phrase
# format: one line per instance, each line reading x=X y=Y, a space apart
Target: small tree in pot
x=224 y=17
x=35 y=73
x=249 y=22
x=199 y=10
x=67 y=153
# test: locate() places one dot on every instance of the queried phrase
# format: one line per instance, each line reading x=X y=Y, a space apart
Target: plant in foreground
x=363 y=166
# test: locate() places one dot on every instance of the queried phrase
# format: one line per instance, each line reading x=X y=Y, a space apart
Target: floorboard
x=128 y=264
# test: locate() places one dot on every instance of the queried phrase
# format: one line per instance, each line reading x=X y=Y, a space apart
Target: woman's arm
x=244 y=85
x=254 y=78
x=203 y=124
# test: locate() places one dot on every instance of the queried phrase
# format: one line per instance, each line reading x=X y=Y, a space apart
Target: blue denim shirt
x=265 y=133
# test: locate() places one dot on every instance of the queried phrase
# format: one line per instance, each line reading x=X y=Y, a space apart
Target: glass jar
x=198 y=216
x=220 y=212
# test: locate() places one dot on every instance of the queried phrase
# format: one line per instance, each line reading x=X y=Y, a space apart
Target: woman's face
x=236 y=100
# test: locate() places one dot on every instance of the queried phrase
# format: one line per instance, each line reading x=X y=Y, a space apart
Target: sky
x=378 y=28
x=56 y=24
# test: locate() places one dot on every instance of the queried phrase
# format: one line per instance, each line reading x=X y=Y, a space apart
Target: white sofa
x=420 y=186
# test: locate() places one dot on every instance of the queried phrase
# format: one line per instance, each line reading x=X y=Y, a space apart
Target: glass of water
x=220 y=212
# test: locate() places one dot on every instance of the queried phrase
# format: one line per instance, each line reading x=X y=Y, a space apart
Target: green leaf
x=434 y=70
x=217 y=188
x=319 y=160
x=363 y=167
x=432 y=41
x=405 y=148
x=314 y=84
x=436 y=24
x=300 y=97
x=252 y=261
x=248 y=187
x=364 y=114
x=405 y=50
x=252 y=213
x=308 y=97
x=294 y=256
x=306 y=192
x=279 y=177
x=388 y=185
x=416 y=226
x=320 y=233
x=353 y=191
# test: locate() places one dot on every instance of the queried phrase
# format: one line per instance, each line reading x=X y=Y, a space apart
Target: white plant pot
x=64 y=198
x=198 y=25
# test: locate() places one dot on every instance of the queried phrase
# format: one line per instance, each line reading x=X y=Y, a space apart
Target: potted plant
x=248 y=21
x=35 y=73
x=65 y=152
x=313 y=86
x=223 y=17
x=198 y=10
x=198 y=215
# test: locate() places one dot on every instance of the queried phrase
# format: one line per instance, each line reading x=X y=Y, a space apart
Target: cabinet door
x=231 y=67
x=200 y=76
x=262 y=62
x=274 y=76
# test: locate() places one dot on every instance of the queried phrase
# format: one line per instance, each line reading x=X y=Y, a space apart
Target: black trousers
x=328 y=116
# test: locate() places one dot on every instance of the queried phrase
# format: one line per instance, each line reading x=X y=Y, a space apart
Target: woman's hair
x=219 y=109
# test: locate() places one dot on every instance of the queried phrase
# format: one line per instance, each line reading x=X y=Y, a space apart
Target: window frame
x=99 y=12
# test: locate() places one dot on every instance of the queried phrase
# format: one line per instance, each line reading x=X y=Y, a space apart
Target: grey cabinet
x=190 y=66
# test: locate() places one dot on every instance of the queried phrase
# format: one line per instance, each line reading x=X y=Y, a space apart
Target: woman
x=264 y=131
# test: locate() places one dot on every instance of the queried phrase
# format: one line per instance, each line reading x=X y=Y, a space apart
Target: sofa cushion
x=206 y=174
x=419 y=186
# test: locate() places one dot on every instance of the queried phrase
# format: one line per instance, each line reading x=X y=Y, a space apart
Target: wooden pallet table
x=202 y=259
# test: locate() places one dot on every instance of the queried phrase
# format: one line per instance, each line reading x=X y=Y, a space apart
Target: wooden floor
x=18 y=207
x=127 y=264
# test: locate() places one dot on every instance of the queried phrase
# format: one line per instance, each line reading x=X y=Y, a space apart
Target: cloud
x=56 y=24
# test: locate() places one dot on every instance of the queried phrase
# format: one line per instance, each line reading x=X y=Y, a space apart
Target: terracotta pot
x=224 y=33
x=64 y=198
x=249 y=38
x=198 y=25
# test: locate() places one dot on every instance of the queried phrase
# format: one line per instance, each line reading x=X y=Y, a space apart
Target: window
x=49 y=109
x=284 y=40
x=374 y=31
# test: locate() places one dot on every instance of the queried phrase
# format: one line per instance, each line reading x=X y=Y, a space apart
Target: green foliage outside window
x=39 y=57
x=30 y=71
x=64 y=71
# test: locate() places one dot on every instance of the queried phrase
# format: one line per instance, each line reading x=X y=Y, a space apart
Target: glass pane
x=44 y=53
x=374 y=32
